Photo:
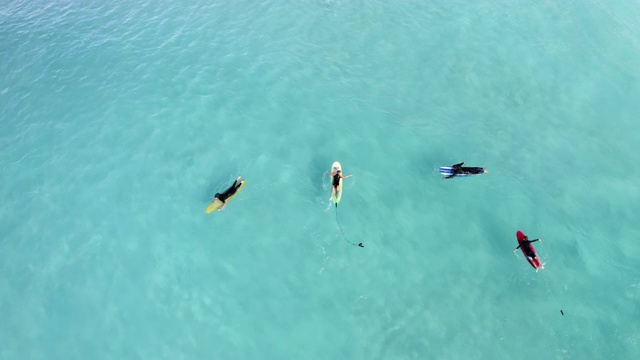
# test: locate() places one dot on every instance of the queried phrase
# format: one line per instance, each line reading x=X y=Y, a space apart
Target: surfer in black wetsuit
x=458 y=169
x=528 y=250
x=335 y=182
x=228 y=193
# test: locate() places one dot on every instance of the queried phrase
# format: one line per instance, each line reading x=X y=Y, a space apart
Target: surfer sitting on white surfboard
x=228 y=193
x=458 y=169
x=335 y=185
x=527 y=249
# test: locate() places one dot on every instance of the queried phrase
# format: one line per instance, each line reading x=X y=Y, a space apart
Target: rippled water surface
x=120 y=120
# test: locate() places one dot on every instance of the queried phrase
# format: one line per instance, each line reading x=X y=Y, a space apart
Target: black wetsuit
x=229 y=192
x=458 y=169
x=528 y=250
x=472 y=170
x=336 y=180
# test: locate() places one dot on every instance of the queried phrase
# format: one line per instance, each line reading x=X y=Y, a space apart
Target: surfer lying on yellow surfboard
x=220 y=199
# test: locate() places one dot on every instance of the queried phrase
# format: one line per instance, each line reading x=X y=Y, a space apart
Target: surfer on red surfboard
x=527 y=249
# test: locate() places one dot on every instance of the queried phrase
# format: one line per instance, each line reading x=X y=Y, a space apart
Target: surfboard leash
x=342 y=232
x=553 y=294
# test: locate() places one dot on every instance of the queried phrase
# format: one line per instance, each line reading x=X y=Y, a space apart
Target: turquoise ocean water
x=120 y=120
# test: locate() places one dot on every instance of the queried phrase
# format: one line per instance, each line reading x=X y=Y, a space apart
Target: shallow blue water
x=119 y=121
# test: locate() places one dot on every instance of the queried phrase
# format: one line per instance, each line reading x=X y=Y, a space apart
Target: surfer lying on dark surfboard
x=228 y=193
x=458 y=169
x=335 y=184
x=528 y=250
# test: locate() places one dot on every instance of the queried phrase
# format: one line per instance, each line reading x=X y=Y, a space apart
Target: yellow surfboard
x=217 y=204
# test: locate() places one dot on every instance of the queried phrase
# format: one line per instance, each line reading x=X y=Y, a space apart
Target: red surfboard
x=534 y=262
